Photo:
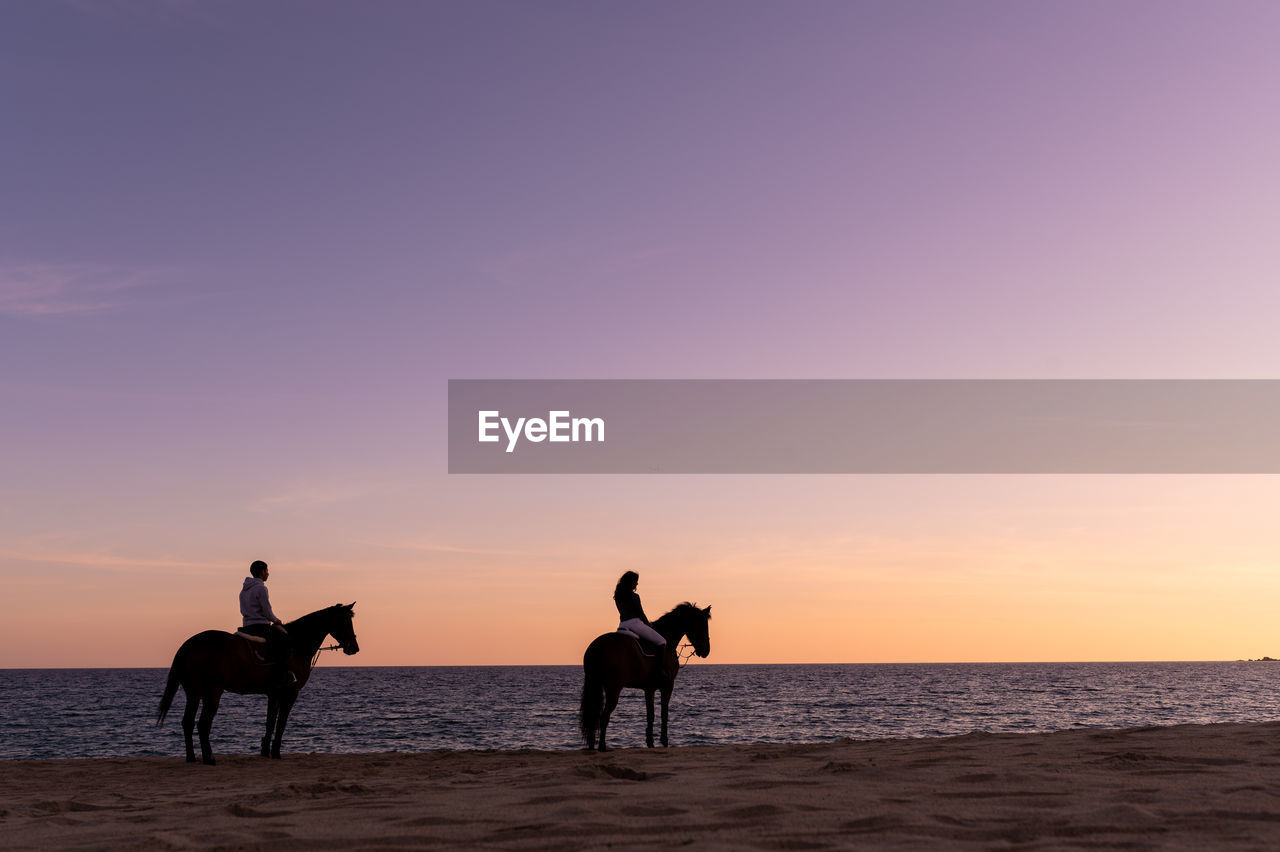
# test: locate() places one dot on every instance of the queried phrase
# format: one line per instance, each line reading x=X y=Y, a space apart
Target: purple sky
x=243 y=245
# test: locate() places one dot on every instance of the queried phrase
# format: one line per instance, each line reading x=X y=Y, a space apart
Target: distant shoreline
x=165 y=666
x=1199 y=785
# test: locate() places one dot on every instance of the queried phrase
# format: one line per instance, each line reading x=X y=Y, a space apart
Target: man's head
x=259 y=569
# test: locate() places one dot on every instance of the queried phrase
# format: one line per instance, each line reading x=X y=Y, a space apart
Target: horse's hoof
x=191 y=758
x=209 y=761
x=275 y=755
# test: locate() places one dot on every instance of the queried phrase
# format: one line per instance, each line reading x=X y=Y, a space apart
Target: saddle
x=257 y=647
x=646 y=647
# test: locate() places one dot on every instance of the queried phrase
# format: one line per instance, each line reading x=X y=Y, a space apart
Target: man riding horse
x=261 y=621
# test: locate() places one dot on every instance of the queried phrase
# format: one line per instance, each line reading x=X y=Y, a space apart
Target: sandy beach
x=1190 y=786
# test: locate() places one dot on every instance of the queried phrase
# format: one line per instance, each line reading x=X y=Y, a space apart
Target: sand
x=1190 y=786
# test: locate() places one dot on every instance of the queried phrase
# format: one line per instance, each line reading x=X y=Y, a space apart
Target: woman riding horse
x=614 y=662
x=631 y=617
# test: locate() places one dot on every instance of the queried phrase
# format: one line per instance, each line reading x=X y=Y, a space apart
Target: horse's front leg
x=286 y=704
x=666 y=701
x=648 y=728
x=273 y=707
x=207 y=712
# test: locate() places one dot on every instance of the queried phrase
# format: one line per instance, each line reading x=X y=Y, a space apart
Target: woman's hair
x=626 y=583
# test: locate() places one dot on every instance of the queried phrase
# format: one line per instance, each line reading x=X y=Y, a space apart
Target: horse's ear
x=708 y=611
x=351 y=606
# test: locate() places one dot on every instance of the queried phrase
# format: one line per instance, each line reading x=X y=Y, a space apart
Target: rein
x=685 y=652
x=316 y=657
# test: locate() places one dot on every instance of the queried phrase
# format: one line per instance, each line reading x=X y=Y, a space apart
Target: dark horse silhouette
x=214 y=662
x=614 y=661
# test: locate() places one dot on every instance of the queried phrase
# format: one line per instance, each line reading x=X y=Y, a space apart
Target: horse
x=214 y=662
x=615 y=661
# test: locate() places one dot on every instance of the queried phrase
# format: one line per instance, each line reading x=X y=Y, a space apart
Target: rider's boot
x=282 y=678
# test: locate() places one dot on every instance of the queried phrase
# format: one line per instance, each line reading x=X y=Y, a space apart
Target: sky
x=245 y=245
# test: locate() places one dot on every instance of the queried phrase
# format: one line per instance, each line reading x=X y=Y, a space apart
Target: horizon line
x=687 y=665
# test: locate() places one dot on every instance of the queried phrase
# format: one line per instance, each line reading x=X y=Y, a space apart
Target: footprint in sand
x=652 y=811
x=975 y=778
x=44 y=808
x=240 y=810
x=609 y=770
x=751 y=812
x=429 y=821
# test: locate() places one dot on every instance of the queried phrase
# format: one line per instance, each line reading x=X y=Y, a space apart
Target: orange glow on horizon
x=1060 y=584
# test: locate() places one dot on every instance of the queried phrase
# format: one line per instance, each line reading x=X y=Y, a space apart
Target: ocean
x=61 y=713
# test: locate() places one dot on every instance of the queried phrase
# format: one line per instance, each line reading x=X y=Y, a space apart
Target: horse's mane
x=313 y=616
x=679 y=610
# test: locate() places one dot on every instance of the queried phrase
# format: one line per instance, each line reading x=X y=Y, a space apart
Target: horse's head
x=341 y=628
x=697 y=629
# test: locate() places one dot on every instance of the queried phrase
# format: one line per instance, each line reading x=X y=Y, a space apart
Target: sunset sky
x=245 y=245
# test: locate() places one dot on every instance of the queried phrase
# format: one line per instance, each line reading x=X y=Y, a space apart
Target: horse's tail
x=592 y=704
x=170 y=688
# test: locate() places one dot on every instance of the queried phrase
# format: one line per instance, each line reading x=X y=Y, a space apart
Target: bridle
x=685 y=652
x=341 y=646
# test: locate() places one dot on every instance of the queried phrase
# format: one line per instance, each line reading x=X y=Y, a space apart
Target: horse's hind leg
x=189 y=724
x=273 y=706
x=610 y=702
x=207 y=712
x=648 y=728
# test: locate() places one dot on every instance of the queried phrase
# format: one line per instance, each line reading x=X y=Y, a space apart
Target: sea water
x=53 y=713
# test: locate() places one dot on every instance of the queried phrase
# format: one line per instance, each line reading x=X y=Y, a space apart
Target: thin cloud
x=39 y=290
x=579 y=258
x=313 y=495
x=103 y=561
x=444 y=548
x=38 y=555
x=145 y=10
